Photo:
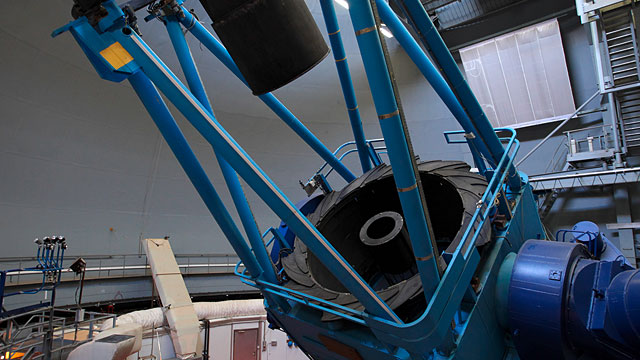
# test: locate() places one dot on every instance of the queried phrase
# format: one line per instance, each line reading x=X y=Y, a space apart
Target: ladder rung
x=607 y=16
x=619 y=37
x=627 y=107
x=632 y=132
x=630 y=93
x=615 y=31
x=620 y=51
x=623 y=57
x=620 y=24
x=630 y=109
x=630 y=117
x=620 y=44
x=625 y=77
x=630 y=123
x=623 y=64
x=624 y=71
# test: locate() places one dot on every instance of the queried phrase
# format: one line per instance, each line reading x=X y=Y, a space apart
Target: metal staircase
x=621 y=44
x=629 y=114
x=620 y=40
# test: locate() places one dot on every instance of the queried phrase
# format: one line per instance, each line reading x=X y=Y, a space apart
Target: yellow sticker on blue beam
x=116 y=55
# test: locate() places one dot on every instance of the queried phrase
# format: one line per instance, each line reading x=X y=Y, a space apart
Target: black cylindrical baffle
x=387 y=237
x=273 y=42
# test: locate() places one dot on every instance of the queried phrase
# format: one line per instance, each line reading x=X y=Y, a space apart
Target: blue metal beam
x=219 y=51
x=231 y=178
x=434 y=77
x=160 y=114
x=397 y=146
x=432 y=41
x=340 y=57
x=217 y=136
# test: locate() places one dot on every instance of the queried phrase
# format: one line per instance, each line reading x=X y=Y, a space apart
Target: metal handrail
x=54 y=323
x=121 y=265
x=460 y=260
x=370 y=143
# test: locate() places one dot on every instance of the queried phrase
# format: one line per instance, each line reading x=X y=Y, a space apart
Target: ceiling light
x=385 y=31
x=343 y=3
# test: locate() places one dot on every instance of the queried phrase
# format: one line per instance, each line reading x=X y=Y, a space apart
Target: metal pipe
x=45 y=257
x=216 y=135
x=434 y=78
x=613 y=111
x=398 y=149
x=433 y=42
x=231 y=178
x=595 y=38
x=207 y=340
x=558 y=128
x=340 y=57
x=218 y=50
x=175 y=139
x=82 y=288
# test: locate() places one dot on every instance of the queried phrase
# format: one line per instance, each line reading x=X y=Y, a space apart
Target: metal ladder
x=620 y=38
x=621 y=44
x=629 y=114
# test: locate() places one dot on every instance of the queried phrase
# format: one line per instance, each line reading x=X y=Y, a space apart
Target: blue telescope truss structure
x=480 y=299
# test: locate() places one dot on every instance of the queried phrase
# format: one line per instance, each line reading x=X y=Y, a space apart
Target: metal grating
x=462 y=11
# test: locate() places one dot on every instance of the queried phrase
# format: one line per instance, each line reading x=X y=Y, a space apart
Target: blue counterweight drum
x=565 y=304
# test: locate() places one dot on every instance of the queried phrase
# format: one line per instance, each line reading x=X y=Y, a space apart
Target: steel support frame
x=439 y=84
x=387 y=108
x=219 y=51
x=231 y=178
x=340 y=57
x=623 y=215
x=432 y=42
x=144 y=64
x=418 y=337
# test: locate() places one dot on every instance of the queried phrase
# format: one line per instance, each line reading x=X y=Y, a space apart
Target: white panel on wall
x=521 y=78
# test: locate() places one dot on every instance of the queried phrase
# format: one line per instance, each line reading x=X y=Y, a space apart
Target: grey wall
x=79 y=156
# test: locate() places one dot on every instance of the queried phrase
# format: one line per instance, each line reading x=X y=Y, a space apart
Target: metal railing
x=590 y=140
x=462 y=265
x=48 y=333
x=376 y=147
x=120 y=266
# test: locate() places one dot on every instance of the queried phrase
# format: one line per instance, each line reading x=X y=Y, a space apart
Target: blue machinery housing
x=480 y=302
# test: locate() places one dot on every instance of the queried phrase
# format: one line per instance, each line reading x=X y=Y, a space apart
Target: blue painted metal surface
x=306 y=206
x=113 y=29
x=231 y=178
x=588 y=233
x=216 y=48
x=466 y=306
x=340 y=57
x=178 y=144
x=398 y=151
x=563 y=303
x=434 y=77
x=430 y=38
x=623 y=303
